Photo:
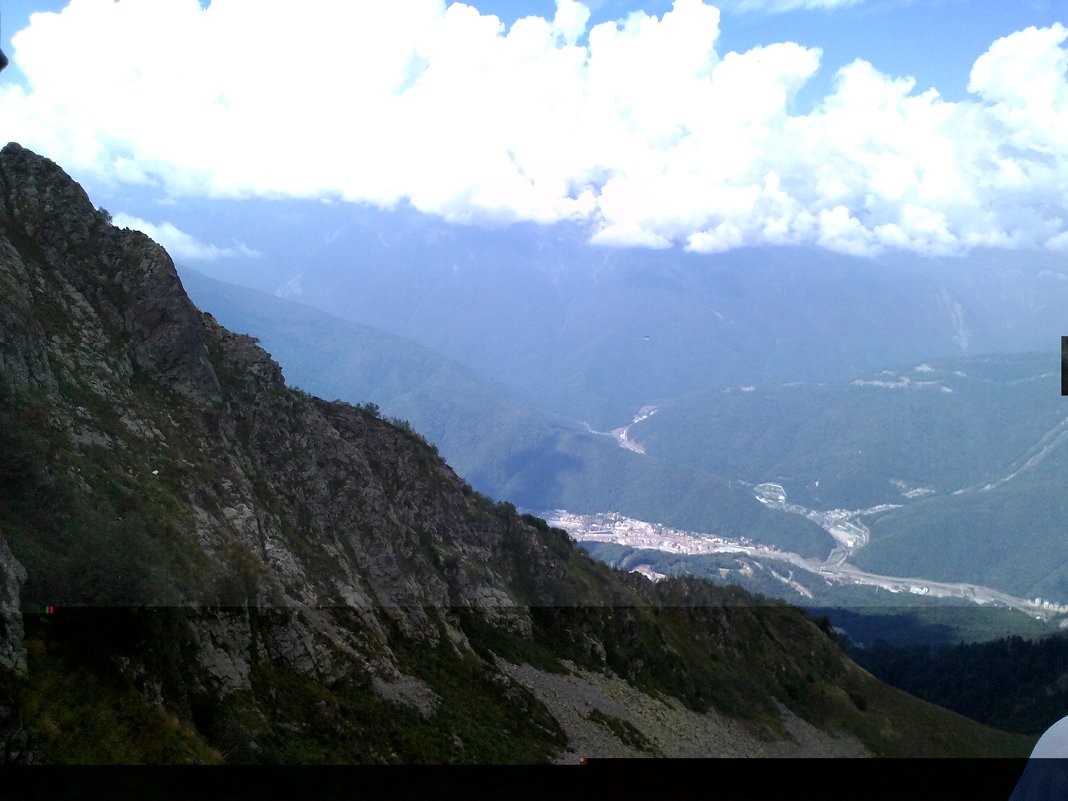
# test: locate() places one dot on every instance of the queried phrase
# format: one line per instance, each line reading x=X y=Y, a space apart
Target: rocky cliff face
x=241 y=572
x=12 y=576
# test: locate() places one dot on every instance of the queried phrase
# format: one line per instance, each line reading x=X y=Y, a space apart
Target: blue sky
x=937 y=41
x=931 y=126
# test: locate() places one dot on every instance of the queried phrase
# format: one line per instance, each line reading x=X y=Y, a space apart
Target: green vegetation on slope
x=82 y=705
x=1011 y=683
x=950 y=431
x=941 y=430
x=1009 y=537
x=95 y=547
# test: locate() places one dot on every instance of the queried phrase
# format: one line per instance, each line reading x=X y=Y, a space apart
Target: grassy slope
x=713 y=649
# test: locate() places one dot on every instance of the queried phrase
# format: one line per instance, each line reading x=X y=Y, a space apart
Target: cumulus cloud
x=570 y=20
x=178 y=243
x=641 y=127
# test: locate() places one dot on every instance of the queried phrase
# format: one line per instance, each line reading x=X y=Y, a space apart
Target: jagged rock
x=12 y=577
x=226 y=650
x=95 y=264
x=410 y=691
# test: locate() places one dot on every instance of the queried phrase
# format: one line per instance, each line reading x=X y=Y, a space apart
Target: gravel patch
x=670 y=729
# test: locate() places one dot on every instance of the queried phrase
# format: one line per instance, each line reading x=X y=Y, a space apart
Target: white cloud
x=570 y=20
x=178 y=243
x=640 y=127
x=779 y=6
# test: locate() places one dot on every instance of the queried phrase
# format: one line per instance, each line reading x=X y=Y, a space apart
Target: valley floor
x=611 y=527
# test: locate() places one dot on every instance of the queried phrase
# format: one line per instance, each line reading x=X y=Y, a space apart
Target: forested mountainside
x=199 y=564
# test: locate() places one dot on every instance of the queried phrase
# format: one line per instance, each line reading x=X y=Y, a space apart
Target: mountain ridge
x=242 y=572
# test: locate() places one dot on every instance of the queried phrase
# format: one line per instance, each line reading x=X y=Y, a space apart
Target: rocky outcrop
x=12 y=577
x=14 y=738
x=260 y=575
x=116 y=288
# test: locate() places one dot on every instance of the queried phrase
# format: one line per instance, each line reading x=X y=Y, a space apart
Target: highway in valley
x=845 y=526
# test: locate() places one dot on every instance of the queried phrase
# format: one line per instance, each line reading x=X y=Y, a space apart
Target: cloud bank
x=178 y=243
x=639 y=127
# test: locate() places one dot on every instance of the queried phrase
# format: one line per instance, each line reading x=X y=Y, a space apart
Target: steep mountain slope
x=502 y=447
x=198 y=563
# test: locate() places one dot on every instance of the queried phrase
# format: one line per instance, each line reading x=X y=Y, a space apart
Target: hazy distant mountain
x=929 y=426
x=594 y=333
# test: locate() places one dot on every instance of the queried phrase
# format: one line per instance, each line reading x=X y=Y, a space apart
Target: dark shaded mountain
x=198 y=563
x=1013 y=683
